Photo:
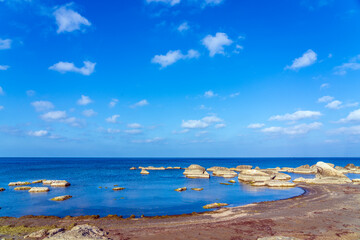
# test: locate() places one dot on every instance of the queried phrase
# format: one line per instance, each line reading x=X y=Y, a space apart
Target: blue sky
x=180 y=78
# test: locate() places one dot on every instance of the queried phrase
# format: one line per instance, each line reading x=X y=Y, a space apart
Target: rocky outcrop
x=253 y=176
x=54 y=231
x=215 y=205
x=61 y=198
x=22 y=188
x=350 y=166
x=19 y=183
x=196 y=171
x=325 y=170
x=39 y=234
x=305 y=169
x=143 y=171
x=39 y=189
x=81 y=232
x=222 y=172
x=181 y=189
x=280 y=184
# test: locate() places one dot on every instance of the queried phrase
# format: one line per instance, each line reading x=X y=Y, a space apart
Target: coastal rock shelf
x=196 y=171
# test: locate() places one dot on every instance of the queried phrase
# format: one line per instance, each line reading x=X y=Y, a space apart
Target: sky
x=180 y=78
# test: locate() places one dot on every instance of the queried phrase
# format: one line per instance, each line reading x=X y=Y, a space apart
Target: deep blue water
x=144 y=194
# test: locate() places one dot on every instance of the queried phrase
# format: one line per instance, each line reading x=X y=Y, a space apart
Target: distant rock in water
x=81 y=232
x=197 y=189
x=2 y=189
x=56 y=183
x=253 y=176
x=241 y=167
x=133 y=168
x=118 y=188
x=39 y=189
x=222 y=172
x=215 y=205
x=196 y=171
x=19 y=183
x=61 y=198
x=37 y=181
x=143 y=171
x=22 y=188
x=181 y=189
x=154 y=168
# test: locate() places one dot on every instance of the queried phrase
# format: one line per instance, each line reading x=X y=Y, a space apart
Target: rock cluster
x=196 y=171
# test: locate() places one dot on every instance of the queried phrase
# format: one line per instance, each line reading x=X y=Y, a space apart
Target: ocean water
x=148 y=195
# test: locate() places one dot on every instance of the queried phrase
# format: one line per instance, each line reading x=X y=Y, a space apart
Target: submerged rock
x=196 y=171
x=81 y=232
x=22 y=188
x=19 y=183
x=143 y=171
x=181 y=189
x=61 y=198
x=215 y=205
x=197 y=189
x=39 y=189
x=118 y=188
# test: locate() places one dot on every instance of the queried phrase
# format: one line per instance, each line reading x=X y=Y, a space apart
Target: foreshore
x=327 y=211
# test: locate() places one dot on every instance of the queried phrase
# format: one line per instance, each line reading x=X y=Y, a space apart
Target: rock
x=154 y=168
x=133 y=168
x=305 y=169
x=222 y=172
x=278 y=238
x=37 y=181
x=324 y=170
x=181 y=189
x=300 y=180
x=341 y=169
x=215 y=205
x=169 y=168
x=244 y=167
x=2 y=189
x=118 y=188
x=143 y=171
x=258 y=184
x=350 y=166
x=196 y=171
x=39 y=234
x=39 y=189
x=81 y=232
x=253 y=176
x=60 y=183
x=280 y=184
x=232 y=181
x=54 y=231
x=225 y=183
x=257 y=168
x=356 y=180
x=331 y=164
x=197 y=189
x=22 y=188
x=287 y=169
x=61 y=198
x=281 y=177
x=19 y=183
x=176 y=167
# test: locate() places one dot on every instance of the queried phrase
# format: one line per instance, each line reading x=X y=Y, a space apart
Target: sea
x=92 y=180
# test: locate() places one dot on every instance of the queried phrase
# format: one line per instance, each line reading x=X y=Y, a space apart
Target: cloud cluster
x=64 y=67
x=293 y=130
x=307 y=59
x=4 y=67
x=68 y=20
x=215 y=44
x=202 y=123
x=172 y=57
x=298 y=115
x=353 y=64
x=113 y=118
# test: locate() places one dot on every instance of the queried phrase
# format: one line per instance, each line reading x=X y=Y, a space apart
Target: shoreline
x=321 y=212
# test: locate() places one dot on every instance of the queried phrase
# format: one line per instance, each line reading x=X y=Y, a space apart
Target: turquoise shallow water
x=144 y=194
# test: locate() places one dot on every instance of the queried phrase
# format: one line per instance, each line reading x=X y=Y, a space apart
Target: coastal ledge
x=322 y=212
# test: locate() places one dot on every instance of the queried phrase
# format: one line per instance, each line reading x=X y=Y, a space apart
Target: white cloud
x=133 y=131
x=213 y=2
x=1 y=91
x=141 y=103
x=64 y=67
x=4 y=67
x=89 y=113
x=54 y=115
x=210 y=94
x=334 y=104
x=134 y=125
x=113 y=119
x=30 y=93
x=170 y=2
x=68 y=20
x=255 y=125
x=111 y=130
x=215 y=44
x=5 y=44
x=172 y=57
x=234 y=94
x=325 y=99
x=113 y=102
x=220 y=125
x=298 y=115
x=212 y=119
x=84 y=100
x=354 y=116
x=194 y=124
x=293 y=130
x=353 y=130
x=183 y=27
x=40 y=133
x=324 y=85
x=1 y=107
x=73 y=121
x=353 y=64
x=151 y=140
x=42 y=105
x=307 y=59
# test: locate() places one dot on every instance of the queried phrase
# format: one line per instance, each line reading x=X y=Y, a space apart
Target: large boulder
x=350 y=166
x=325 y=170
x=253 y=176
x=196 y=171
x=81 y=232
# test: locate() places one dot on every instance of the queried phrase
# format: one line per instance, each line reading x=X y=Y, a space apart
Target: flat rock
x=118 y=188
x=215 y=205
x=253 y=176
x=62 y=183
x=22 y=188
x=133 y=168
x=81 y=232
x=196 y=171
x=154 y=168
x=143 y=171
x=280 y=184
x=39 y=189
x=281 y=177
x=2 y=189
x=197 y=189
x=19 y=183
x=61 y=198
x=181 y=189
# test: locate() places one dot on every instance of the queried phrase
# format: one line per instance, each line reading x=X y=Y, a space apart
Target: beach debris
x=61 y=198
x=215 y=205
x=197 y=189
x=181 y=189
x=118 y=188
x=133 y=168
x=232 y=181
x=2 y=189
x=222 y=172
x=143 y=171
x=39 y=189
x=22 y=188
x=81 y=232
x=19 y=183
x=196 y=171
